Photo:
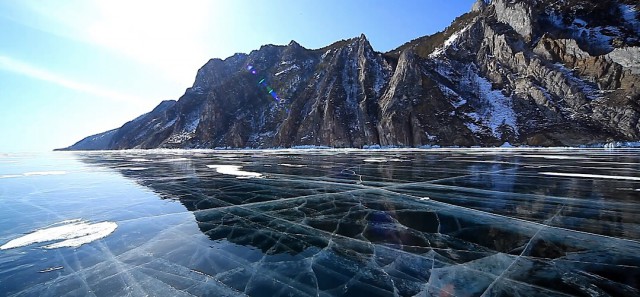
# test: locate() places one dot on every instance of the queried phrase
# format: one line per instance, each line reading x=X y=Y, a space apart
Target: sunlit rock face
x=540 y=73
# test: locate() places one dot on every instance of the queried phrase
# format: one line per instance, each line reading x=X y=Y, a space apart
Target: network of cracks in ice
x=394 y=223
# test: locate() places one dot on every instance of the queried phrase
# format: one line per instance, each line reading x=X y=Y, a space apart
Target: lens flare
x=263 y=82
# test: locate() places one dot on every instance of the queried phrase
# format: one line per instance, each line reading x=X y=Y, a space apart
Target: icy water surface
x=465 y=222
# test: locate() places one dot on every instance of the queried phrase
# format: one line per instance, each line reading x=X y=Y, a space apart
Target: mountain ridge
x=523 y=72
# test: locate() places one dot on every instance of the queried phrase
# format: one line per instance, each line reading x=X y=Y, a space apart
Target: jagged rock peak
x=479 y=6
x=363 y=41
x=293 y=43
x=518 y=15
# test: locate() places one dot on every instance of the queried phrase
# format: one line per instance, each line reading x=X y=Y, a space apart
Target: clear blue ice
x=439 y=222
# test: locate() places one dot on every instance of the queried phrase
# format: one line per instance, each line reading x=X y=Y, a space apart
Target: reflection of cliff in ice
x=462 y=223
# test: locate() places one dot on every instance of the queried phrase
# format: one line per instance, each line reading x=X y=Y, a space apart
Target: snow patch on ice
x=140 y=160
x=11 y=175
x=375 y=160
x=44 y=173
x=134 y=168
x=235 y=171
x=34 y=173
x=554 y=157
x=582 y=175
x=382 y=160
x=71 y=233
x=292 y=165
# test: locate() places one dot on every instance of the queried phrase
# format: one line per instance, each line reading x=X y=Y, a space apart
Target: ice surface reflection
x=336 y=223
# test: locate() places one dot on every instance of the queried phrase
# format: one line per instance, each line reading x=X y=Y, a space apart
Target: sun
x=165 y=34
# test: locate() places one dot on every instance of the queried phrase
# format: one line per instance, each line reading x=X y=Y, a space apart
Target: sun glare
x=164 y=34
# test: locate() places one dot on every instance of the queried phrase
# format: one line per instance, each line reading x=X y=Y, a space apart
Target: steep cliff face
x=524 y=72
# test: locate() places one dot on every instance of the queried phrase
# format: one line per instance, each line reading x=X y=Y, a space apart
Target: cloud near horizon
x=19 y=67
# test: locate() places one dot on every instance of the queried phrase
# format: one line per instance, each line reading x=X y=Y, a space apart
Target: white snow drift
x=73 y=233
x=235 y=170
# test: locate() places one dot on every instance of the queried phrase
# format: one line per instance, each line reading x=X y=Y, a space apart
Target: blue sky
x=72 y=68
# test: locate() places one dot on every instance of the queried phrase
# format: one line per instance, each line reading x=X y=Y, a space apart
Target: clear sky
x=72 y=68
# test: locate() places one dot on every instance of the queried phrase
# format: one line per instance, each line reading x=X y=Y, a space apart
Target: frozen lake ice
x=437 y=222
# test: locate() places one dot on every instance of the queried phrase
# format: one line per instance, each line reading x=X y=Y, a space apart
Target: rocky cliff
x=540 y=73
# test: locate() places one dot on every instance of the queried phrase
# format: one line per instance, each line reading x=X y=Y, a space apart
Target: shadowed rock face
x=526 y=72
